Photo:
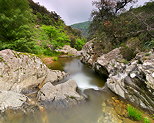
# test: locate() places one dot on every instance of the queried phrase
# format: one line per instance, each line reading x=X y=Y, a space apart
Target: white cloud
x=72 y=11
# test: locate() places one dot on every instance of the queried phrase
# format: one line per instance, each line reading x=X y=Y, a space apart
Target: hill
x=83 y=27
x=27 y=26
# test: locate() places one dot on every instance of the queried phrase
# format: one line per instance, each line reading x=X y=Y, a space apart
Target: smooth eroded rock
x=69 y=50
x=22 y=70
x=10 y=99
x=61 y=93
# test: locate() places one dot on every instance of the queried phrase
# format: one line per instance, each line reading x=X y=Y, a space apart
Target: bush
x=134 y=113
x=146 y=120
x=57 y=37
x=55 y=58
x=79 y=44
x=128 y=53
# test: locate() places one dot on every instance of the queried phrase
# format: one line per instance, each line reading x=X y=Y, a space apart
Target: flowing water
x=85 y=77
x=88 y=112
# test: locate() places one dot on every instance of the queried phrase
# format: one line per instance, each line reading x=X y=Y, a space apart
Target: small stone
x=153 y=75
x=132 y=75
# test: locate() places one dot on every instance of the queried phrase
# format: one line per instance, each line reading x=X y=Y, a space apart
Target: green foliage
x=149 y=44
x=44 y=16
x=79 y=43
x=55 y=58
x=128 y=53
x=28 y=27
x=133 y=28
x=146 y=120
x=134 y=113
x=56 y=36
x=15 y=18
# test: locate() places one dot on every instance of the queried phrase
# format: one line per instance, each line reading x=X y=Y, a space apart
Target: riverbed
x=88 y=112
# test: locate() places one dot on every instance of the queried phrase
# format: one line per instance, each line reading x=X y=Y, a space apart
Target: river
x=88 y=112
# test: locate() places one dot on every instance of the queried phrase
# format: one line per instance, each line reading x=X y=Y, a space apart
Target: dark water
x=88 y=112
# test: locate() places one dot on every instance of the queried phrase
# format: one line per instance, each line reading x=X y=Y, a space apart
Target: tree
x=106 y=11
x=15 y=18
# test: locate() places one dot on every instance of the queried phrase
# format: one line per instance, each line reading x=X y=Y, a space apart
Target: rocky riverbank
x=23 y=78
x=132 y=80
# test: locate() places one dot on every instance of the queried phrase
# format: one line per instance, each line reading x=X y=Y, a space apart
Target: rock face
x=20 y=70
x=61 y=94
x=88 y=56
x=69 y=50
x=23 y=73
x=10 y=99
x=133 y=81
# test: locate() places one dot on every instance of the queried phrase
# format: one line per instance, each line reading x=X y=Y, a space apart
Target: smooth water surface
x=88 y=112
x=85 y=77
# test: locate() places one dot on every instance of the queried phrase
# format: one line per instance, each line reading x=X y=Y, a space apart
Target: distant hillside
x=83 y=27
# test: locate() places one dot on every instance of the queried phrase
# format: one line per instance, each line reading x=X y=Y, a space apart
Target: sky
x=73 y=11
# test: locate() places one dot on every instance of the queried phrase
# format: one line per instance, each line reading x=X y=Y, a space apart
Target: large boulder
x=24 y=74
x=66 y=49
x=60 y=94
x=136 y=81
x=88 y=54
x=10 y=99
x=132 y=80
x=107 y=63
x=22 y=70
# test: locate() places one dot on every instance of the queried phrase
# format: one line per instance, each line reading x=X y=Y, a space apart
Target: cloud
x=72 y=11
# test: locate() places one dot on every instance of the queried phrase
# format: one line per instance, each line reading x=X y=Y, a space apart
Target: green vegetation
x=83 y=27
x=28 y=27
x=55 y=58
x=134 y=113
x=112 y=27
x=146 y=120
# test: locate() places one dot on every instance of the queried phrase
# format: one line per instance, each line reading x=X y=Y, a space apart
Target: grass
x=124 y=61
x=146 y=120
x=134 y=113
x=55 y=58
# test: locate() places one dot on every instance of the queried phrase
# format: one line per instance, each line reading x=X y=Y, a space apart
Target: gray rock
x=22 y=70
x=10 y=99
x=61 y=93
x=133 y=81
x=88 y=55
x=69 y=50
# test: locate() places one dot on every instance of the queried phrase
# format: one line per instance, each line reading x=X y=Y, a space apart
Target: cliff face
x=133 y=81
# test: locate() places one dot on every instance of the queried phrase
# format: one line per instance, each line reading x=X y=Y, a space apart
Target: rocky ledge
x=23 y=75
x=68 y=51
x=133 y=80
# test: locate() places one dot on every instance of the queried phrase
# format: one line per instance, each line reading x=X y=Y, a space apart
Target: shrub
x=128 y=53
x=134 y=113
x=57 y=36
x=55 y=58
x=79 y=43
x=146 y=120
